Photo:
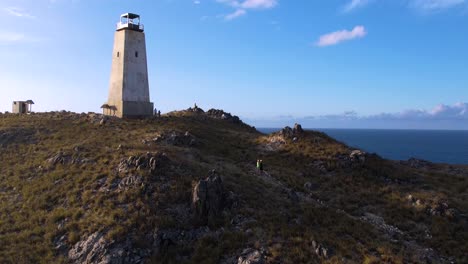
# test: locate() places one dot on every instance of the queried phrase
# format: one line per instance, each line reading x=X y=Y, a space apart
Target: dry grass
x=41 y=202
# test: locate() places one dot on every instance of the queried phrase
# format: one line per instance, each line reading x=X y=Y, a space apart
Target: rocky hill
x=184 y=188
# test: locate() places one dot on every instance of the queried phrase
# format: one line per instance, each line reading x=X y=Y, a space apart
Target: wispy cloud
x=440 y=117
x=421 y=5
x=10 y=37
x=458 y=111
x=241 y=7
x=340 y=36
x=435 y=5
x=235 y=14
x=354 y=4
x=17 y=12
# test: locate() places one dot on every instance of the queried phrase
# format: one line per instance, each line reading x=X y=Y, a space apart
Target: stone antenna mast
x=129 y=88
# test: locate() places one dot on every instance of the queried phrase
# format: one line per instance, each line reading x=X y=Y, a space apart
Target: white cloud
x=10 y=37
x=340 y=36
x=235 y=14
x=242 y=6
x=434 y=5
x=17 y=12
x=259 y=4
x=458 y=111
x=422 y=5
x=440 y=117
x=353 y=4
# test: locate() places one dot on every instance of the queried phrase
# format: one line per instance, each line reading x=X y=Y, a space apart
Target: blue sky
x=327 y=63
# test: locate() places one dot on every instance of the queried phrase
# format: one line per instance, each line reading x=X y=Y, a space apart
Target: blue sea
x=442 y=146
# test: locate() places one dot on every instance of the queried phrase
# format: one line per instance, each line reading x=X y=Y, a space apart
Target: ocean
x=442 y=146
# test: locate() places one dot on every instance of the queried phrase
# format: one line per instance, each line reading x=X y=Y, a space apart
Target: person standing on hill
x=261 y=165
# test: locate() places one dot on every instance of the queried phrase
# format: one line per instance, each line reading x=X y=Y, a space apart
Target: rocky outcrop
x=379 y=222
x=208 y=198
x=195 y=109
x=97 y=249
x=291 y=133
x=179 y=139
x=90 y=250
x=285 y=135
x=417 y=163
x=358 y=156
x=356 y=159
x=64 y=158
x=320 y=250
x=174 y=138
x=220 y=114
x=434 y=207
x=150 y=161
x=130 y=182
x=297 y=129
x=251 y=256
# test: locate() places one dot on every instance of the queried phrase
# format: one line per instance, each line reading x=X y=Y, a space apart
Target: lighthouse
x=129 y=88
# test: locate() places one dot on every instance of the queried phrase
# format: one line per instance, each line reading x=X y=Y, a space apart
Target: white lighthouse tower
x=129 y=89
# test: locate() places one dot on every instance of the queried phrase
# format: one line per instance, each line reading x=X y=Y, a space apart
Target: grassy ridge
x=43 y=202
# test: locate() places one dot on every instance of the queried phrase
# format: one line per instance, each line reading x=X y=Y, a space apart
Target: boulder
x=287 y=132
x=297 y=129
x=251 y=256
x=208 y=198
x=320 y=250
x=358 y=155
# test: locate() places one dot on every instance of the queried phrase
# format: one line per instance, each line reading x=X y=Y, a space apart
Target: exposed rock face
x=208 y=198
x=97 y=249
x=63 y=158
x=130 y=182
x=320 y=250
x=276 y=140
x=179 y=139
x=436 y=207
x=150 y=161
x=174 y=138
x=90 y=250
x=355 y=159
x=195 y=109
x=291 y=133
x=358 y=155
x=379 y=222
x=297 y=129
x=417 y=163
x=251 y=256
x=220 y=114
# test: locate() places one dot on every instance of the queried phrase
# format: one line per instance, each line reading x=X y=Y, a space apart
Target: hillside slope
x=184 y=188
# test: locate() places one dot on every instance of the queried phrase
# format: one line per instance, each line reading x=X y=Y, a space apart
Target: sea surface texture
x=440 y=146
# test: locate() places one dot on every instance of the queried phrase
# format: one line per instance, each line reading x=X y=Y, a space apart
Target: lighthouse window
x=136 y=54
x=118 y=54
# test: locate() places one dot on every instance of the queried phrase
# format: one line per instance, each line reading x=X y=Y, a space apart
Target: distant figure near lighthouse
x=129 y=89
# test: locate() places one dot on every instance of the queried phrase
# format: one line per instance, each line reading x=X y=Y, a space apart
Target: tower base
x=130 y=109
